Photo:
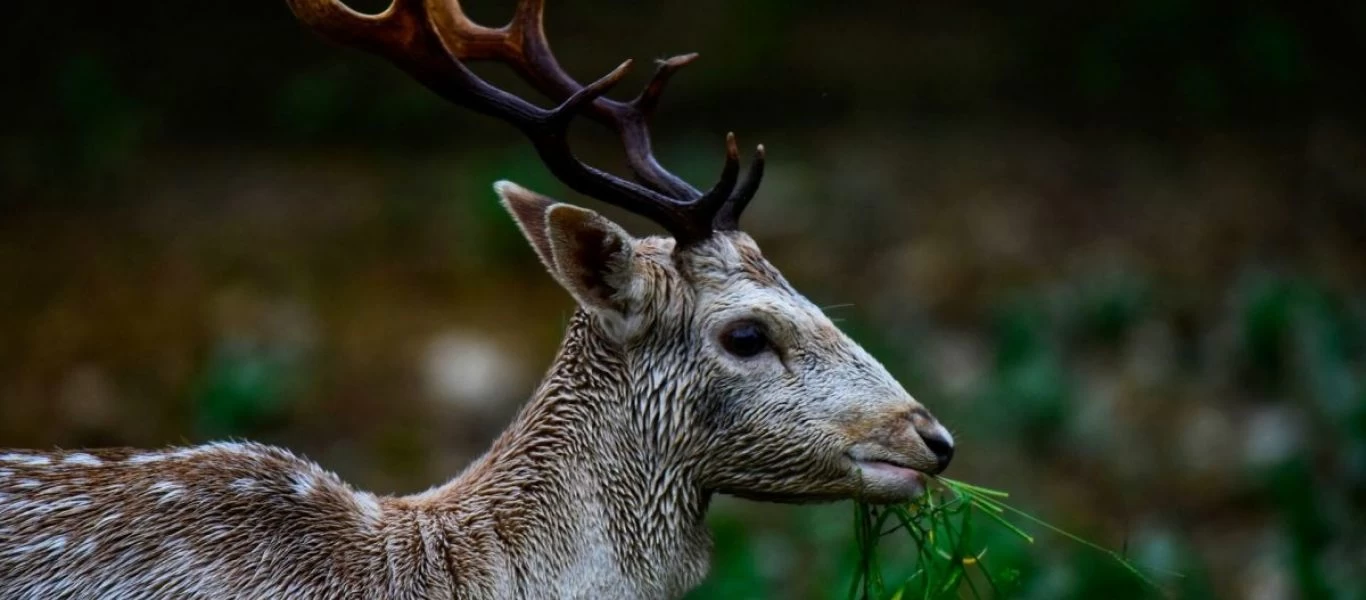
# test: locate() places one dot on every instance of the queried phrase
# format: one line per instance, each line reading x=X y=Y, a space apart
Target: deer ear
x=593 y=257
x=589 y=255
x=528 y=210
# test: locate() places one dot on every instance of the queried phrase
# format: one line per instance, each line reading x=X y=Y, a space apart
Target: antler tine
x=552 y=144
x=729 y=173
x=648 y=99
x=631 y=121
x=539 y=67
x=567 y=110
x=728 y=216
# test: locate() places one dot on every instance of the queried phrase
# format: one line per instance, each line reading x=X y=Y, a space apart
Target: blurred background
x=1119 y=247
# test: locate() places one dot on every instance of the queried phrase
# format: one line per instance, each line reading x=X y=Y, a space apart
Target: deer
x=690 y=368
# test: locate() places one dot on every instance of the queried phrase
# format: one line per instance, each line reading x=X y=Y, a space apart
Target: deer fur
x=598 y=489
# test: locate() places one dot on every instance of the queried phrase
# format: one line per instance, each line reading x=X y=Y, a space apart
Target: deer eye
x=744 y=339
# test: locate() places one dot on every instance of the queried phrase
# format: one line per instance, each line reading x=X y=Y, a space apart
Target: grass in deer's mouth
x=940 y=524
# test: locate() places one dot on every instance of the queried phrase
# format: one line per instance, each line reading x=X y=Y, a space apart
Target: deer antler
x=430 y=39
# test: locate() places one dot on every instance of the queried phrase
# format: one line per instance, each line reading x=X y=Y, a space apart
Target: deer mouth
x=886 y=479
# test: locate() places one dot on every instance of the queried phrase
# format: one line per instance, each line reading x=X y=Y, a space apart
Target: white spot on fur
x=31 y=460
x=368 y=505
x=87 y=547
x=215 y=447
x=303 y=483
x=25 y=484
x=72 y=503
x=223 y=447
x=142 y=459
x=168 y=490
x=107 y=519
x=233 y=447
x=52 y=544
x=22 y=506
x=81 y=458
x=244 y=484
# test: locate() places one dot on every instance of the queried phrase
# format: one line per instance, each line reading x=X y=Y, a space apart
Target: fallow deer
x=691 y=368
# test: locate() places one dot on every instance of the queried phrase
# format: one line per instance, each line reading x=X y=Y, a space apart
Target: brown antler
x=430 y=38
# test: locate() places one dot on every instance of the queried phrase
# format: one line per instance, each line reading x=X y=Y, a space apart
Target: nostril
x=942 y=449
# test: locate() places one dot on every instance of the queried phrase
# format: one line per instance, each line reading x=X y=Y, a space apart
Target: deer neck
x=582 y=491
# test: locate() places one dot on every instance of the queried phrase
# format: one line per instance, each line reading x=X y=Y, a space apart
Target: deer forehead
x=729 y=278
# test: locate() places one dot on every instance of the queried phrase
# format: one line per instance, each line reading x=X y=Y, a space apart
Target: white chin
x=886 y=483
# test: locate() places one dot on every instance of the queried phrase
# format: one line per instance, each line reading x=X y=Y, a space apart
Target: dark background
x=1120 y=248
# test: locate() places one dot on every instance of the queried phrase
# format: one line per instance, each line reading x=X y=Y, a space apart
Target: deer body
x=691 y=368
x=550 y=511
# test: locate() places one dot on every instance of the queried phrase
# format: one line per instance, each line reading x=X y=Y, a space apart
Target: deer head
x=717 y=363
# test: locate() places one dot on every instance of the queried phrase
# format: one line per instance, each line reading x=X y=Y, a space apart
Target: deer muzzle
x=893 y=457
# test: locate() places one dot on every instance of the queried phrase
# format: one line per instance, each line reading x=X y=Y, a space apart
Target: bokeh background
x=1119 y=247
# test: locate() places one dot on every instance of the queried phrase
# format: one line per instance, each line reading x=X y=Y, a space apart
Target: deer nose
x=941 y=444
x=936 y=437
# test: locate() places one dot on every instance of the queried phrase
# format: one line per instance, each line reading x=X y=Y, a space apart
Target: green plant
x=949 y=560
